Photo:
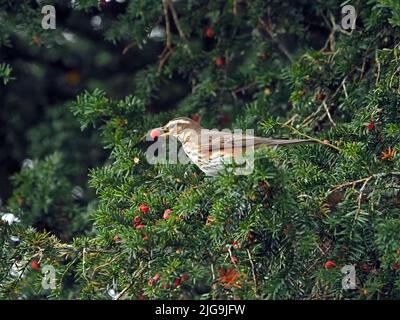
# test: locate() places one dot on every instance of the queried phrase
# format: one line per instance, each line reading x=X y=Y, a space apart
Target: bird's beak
x=158 y=132
x=165 y=132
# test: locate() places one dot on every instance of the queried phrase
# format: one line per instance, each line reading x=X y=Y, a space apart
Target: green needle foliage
x=283 y=68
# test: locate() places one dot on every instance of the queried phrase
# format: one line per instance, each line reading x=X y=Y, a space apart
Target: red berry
x=209 y=32
x=365 y=267
x=396 y=266
x=235 y=244
x=155 y=133
x=139 y=226
x=219 y=62
x=364 y=292
x=137 y=219
x=141 y=297
x=36 y=40
x=151 y=282
x=145 y=237
x=144 y=208
x=177 y=282
x=320 y=96
x=250 y=236
x=263 y=56
x=156 y=277
x=195 y=117
x=35 y=265
x=371 y=126
x=167 y=213
x=184 y=277
x=224 y=119
x=329 y=264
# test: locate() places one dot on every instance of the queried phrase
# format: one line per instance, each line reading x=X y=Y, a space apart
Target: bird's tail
x=278 y=142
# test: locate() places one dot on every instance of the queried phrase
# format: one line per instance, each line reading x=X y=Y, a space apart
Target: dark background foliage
x=283 y=68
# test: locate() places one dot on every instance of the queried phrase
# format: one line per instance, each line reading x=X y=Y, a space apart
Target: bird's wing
x=231 y=143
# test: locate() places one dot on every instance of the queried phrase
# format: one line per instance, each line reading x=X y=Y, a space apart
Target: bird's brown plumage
x=208 y=148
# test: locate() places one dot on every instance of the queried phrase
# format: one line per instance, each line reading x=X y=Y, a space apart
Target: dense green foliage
x=282 y=68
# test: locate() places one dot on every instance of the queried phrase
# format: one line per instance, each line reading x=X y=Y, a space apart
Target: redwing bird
x=210 y=150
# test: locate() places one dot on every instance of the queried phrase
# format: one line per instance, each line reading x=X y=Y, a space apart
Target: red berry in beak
x=155 y=133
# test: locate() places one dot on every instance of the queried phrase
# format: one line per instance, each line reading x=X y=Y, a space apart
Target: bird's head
x=178 y=126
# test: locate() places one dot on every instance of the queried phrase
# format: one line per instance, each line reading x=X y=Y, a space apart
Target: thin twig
x=360 y=197
x=213 y=272
x=363 y=67
x=164 y=56
x=328 y=113
x=68 y=247
x=214 y=282
x=167 y=23
x=253 y=270
x=309 y=137
x=83 y=263
x=309 y=118
x=136 y=274
x=353 y=183
x=290 y=121
x=329 y=41
x=344 y=88
x=273 y=37
x=168 y=47
x=244 y=88
x=104 y=264
x=176 y=20
x=128 y=47
x=233 y=260
x=119 y=295
x=234 y=10
x=378 y=76
x=347 y=184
